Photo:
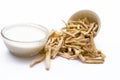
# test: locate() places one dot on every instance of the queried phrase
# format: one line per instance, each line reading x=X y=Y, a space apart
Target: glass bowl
x=25 y=40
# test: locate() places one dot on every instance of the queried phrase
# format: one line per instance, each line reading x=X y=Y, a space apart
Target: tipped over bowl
x=90 y=15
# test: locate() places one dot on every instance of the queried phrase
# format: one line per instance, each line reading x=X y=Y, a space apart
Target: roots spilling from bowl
x=75 y=41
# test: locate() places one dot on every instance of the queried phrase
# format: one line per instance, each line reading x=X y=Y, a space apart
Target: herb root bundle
x=75 y=41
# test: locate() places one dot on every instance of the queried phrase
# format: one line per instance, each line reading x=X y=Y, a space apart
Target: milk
x=25 y=40
x=25 y=33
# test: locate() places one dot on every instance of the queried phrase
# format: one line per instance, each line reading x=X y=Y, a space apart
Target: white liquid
x=23 y=34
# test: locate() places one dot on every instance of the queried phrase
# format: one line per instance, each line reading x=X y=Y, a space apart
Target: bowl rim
x=40 y=27
x=89 y=11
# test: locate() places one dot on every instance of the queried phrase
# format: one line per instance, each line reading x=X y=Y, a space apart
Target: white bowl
x=92 y=16
x=25 y=40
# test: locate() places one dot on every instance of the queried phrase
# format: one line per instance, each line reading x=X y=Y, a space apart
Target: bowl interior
x=91 y=16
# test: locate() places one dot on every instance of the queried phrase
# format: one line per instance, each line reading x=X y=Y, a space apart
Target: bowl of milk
x=25 y=40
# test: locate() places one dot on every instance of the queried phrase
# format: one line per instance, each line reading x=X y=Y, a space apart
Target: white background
x=50 y=14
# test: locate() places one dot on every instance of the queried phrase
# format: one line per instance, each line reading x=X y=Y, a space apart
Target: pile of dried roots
x=75 y=41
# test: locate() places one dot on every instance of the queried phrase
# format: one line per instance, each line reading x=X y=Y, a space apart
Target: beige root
x=75 y=41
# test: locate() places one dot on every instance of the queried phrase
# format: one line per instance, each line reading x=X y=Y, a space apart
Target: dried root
x=75 y=41
x=37 y=60
x=47 y=59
